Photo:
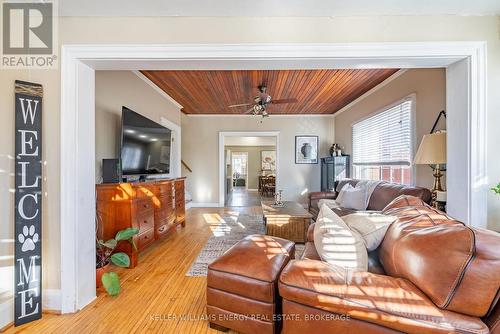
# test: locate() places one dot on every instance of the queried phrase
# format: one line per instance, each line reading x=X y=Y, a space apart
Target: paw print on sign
x=28 y=238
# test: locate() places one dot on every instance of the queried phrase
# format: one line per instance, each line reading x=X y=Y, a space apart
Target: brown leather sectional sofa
x=383 y=194
x=431 y=274
x=439 y=276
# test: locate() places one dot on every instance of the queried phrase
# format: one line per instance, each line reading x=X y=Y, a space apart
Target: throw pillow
x=371 y=227
x=337 y=244
x=340 y=196
x=353 y=198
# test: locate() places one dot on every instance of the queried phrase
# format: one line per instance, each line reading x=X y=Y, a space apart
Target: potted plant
x=105 y=256
x=496 y=189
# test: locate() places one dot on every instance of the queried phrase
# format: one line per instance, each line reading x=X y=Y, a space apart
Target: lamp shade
x=432 y=150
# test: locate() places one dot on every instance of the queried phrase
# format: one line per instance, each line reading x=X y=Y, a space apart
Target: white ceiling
x=259 y=8
x=250 y=141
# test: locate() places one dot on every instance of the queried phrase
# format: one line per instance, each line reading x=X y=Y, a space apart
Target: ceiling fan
x=261 y=102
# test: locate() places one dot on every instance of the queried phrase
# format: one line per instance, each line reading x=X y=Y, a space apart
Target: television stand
x=155 y=207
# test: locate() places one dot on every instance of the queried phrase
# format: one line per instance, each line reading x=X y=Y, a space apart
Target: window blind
x=384 y=139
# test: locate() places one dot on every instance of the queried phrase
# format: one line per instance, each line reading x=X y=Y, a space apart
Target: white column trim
x=77 y=166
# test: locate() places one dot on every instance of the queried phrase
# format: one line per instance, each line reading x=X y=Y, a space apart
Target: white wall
x=429 y=86
x=155 y=30
x=115 y=89
x=200 y=150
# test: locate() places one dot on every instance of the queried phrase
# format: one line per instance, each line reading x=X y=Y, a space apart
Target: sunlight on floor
x=218 y=225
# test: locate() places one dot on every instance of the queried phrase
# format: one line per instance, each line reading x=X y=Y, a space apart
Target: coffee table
x=289 y=222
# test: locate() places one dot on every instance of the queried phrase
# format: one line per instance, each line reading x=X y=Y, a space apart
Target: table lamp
x=432 y=151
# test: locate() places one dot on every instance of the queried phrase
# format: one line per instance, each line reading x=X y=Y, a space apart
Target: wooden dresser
x=154 y=207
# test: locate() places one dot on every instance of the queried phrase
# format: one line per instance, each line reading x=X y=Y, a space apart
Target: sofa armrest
x=316 y=195
x=322 y=194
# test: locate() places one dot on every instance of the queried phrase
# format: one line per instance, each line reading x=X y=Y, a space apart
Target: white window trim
x=413 y=130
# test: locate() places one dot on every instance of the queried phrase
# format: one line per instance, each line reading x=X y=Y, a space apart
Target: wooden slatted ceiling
x=317 y=91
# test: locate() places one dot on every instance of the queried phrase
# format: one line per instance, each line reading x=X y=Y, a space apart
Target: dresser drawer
x=165 y=187
x=143 y=206
x=145 y=239
x=179 y=198
x=145 y=222
x=165 y=201
x=162 y=230
x=164 y=215
x=179 y=184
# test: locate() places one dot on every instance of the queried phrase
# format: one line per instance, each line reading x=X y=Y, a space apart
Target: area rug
x=227 y=230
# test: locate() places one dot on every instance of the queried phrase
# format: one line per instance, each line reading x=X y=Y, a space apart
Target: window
x=383 y=144
x=240 y=163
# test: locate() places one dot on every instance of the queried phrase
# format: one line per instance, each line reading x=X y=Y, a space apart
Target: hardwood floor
x=240 y=196
x=155 y=294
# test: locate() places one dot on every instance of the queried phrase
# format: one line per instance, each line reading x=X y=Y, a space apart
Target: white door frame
x=78 y=63
x=222 y=162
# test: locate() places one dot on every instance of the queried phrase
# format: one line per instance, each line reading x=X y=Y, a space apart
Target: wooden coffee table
x=289 y=222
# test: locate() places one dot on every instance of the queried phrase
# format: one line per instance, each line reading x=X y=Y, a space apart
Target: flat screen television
x=145 y=145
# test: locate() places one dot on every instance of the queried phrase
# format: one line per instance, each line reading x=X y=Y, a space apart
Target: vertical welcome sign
x=28 y=203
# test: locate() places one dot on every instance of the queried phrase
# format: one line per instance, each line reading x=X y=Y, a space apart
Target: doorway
x=466 y=70
x=250 y=159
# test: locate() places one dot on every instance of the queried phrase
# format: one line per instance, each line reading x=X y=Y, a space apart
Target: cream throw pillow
x=336 y=243
x=371 y=227
x=342 y=192
x=353 y=198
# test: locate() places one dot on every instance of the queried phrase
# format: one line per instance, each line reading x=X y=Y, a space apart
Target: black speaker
x=111 y=171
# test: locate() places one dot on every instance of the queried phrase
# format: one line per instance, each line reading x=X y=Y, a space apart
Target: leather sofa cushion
x=382 y=195
x=403 y=201
x=385 y=192
x=391 y=302
x=456 y=266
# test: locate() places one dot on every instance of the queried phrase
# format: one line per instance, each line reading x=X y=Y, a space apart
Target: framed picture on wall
x=306 y=149
x=268 y=160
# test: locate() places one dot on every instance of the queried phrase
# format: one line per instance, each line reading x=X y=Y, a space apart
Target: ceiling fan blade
x=239 y=105
x=284 y=101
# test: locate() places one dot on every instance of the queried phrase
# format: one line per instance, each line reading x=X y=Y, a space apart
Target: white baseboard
x=204 y=205
x=6 y=312
x=252 y=189
x=51 y=299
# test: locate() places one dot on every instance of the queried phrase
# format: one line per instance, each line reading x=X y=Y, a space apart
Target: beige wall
x=114 y=89
x=218 y=30
x=254 y=165
x=200 y=136
x=429 y=85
